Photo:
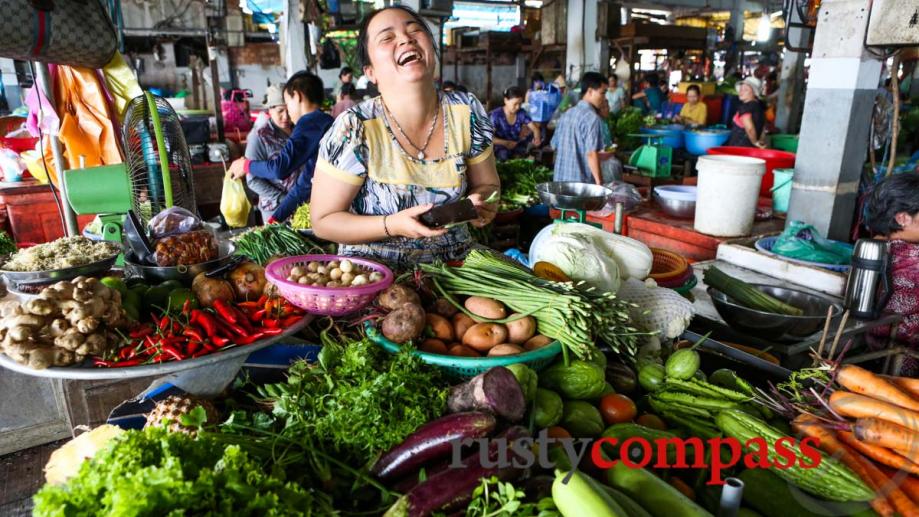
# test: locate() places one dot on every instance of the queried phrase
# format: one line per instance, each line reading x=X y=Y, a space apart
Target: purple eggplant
x=432 y=441
x=496 y=391
x=452 y=488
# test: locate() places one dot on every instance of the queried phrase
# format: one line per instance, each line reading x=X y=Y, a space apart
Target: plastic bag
x=121 y=83
x=804 y=242
x=543 y=103
x=11 y=165
x=172 y=221
x=186 y=249
x=234 y=204
x=623 y=193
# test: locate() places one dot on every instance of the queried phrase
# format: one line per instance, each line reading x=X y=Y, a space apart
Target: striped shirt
x=579 y=131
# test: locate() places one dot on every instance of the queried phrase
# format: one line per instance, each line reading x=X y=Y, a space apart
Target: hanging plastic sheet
x=121 y=83
x=42 y=117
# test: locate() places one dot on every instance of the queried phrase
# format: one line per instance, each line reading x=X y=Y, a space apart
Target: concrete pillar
x=294 y=37
x=583 y=52
x=834 y=131
x=791 y=80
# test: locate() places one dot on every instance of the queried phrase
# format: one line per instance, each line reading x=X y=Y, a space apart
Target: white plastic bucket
x=727 y=193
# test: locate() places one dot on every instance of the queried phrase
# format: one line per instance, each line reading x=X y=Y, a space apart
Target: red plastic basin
x=774 y=160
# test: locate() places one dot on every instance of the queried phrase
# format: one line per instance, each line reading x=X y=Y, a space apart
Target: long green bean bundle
x=272 y=240
x=573 y=313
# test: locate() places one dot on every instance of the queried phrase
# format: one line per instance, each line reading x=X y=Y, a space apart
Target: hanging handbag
x=63 y=32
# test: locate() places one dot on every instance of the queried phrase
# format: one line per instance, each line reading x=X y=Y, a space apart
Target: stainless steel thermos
x=868 y=287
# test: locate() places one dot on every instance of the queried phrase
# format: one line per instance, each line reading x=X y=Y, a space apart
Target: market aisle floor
x=21 y=476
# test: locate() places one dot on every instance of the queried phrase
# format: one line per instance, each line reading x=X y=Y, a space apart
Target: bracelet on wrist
x=386 y=228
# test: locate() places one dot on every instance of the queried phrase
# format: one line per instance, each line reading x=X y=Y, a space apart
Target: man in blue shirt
x=303 y=95
x=578 y=138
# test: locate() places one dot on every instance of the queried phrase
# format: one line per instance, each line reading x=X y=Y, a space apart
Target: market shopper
x=264 y=142
x=514 y=131
x=578 y=138
x=345 y=76
x=390 y=159
x=747 y=124
x=893 y=215
x=303 y=95
x=615 y=95
x=345 y=100
x=694 y=112
x=650 y=98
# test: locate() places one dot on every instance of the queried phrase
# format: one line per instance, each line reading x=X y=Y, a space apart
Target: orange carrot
x=879 y=454
x=904 y=506
x=861 y=381
x=907 y=384
x=908 y=484
x=875 y=431
x=828 y=442
x=860 y=406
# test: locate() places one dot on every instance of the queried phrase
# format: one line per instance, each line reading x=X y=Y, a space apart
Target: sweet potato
x=433 y=346
x=520 y=330
x=440 y=327
x=483 y=336
x=537 y=341
x=486 y=308
x=396 y=296
x=461 y=323
x=496 y=391
x=505 y=349
x=404 y=324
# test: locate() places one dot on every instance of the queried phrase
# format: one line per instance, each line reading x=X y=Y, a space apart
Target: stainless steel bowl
x=681 y=209
x=573 y=195
x=180 y=273
x=56 y=275
x=766 y=325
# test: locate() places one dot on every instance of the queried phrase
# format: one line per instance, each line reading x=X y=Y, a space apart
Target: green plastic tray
x=465 y=367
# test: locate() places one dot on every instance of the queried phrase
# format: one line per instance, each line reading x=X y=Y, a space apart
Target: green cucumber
x=651 y=377
x=577 y=497
x=772 y=496
x=624 y=431
x=683 y=364
x=654 y=495
x=627 y=503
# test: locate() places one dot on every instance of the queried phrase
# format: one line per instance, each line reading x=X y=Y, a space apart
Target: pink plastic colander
x=326 y=301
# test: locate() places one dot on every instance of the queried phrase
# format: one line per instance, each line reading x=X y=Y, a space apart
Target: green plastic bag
x=234 y=205
x=803 y=241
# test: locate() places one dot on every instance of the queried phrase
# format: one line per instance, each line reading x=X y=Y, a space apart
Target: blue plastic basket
x=765 y=245
x=465 y=367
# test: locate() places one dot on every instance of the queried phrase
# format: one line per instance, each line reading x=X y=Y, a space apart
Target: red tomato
x=558 y=432
x=652 y=421
x=617 y=409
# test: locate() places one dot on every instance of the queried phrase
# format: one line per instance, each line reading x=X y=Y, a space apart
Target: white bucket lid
x=731 y=163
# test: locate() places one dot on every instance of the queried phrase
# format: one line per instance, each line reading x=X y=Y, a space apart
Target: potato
x=486 y=308
x=519 y=331
x=537 y=341
x=440 y=326
x=483 y=336
x=461 y=323
x=397 y=295
x=444 y=308
x=463 y=351
x=505 y=349
x=404 y=324
x=433 y=346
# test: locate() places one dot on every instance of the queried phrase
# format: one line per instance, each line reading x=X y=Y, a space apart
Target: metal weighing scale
x=574 y=199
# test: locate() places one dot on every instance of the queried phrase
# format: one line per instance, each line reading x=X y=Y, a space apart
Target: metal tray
x=86 y=371
x=56 y=275
x=180 y=273
x=573 y=195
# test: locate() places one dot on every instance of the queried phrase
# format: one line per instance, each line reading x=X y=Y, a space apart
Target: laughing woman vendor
x=389 y=159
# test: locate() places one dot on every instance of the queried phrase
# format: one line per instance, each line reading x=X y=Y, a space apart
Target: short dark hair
x=537 y=77
x=306 y=84
x=344 y=71
x=514 y=92
x=591 y=80
x=348 y=89
x=898 y=193
x=694 y=88
x=613 y=77
x=448 y=84
x=363 y=46
x=653 y=80
x=462 y=89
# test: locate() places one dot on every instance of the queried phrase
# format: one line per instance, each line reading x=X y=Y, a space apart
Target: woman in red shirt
x=748 y=122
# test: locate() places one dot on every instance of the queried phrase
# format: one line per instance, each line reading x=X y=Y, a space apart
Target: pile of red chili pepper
x=196 y=332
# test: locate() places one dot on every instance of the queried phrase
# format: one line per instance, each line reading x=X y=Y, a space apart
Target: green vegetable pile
x=7 y=244
x=519 y=178
x=626 y=122
x=155 y=472
x=265 y=242
x=301 y=218
x=494 y=498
